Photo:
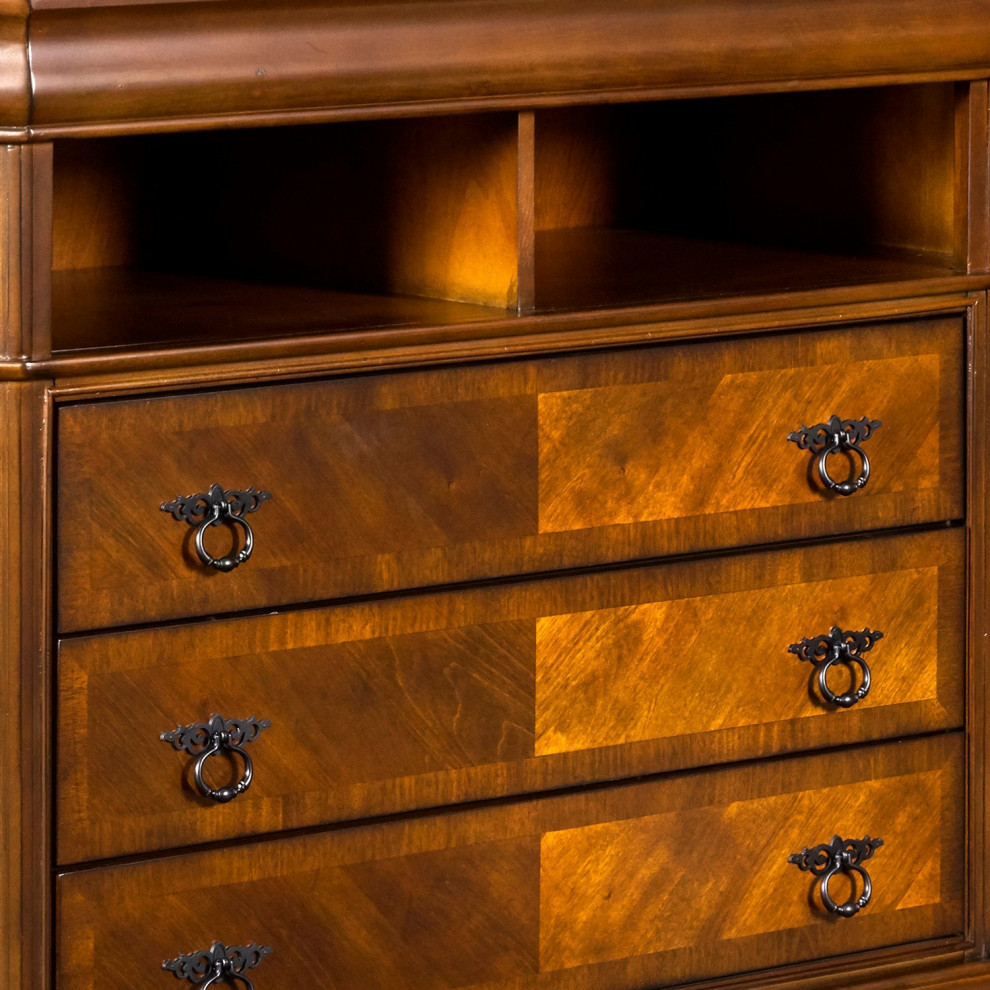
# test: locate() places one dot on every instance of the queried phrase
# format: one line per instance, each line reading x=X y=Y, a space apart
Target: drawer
x=651 y=883
x=393 y=481
x=417 y=701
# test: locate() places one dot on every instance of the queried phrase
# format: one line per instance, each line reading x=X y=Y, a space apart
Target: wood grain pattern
x=610 y=677
x=453 y=211
x=521 y=626
x=840 y=170
x=978 y=684
x=428 y=477
x=416 y=207
x=476 y=897
x=607 y=266
x=25 y=685
x=25 y=283
x=610 y=891
x=446 y=208
x=127 y=66
x=670 y=449
x=116 y=319
x=389 y=333
x=113 y=312
x=972 y=193
x=435 y=698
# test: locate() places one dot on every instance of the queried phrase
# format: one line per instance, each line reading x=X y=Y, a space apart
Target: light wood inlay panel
x=644 y=884
x=670 y=668
x=632 y=888
x=711 y=443
x=427 y=699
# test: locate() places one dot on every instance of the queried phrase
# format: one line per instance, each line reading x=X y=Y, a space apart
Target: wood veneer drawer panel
x=413 y=478
x=414 y=702
x=651 y=883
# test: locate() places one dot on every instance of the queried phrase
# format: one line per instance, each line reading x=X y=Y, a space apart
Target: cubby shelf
x=456 y=219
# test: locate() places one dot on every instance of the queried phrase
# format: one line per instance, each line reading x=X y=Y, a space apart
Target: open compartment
x=693 y=199
x=233 y=235
x=227 y=236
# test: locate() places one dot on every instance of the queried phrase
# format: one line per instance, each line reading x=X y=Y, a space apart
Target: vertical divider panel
x=526 y=212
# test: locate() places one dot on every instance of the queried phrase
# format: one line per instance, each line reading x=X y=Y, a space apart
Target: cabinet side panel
x=979 y=627
x=24 y=622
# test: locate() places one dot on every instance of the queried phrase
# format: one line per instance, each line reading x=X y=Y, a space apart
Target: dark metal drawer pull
x=839 y=856
x=213 y=508
x=846 y=647
x=219 y=964
x=219 y=735
x=825 y=439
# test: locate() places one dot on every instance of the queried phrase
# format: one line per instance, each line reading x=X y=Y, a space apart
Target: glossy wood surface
x=642 y=884
x=432 y=699
x=25 y=229
x=542 y=210
x=392 y=481
x=520 y=606
x=849 y=170
x=587 y=267
x=399 y=208
x=128 y=65
x=25 y=686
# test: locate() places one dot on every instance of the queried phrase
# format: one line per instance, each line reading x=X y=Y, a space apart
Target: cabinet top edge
x=86 y=68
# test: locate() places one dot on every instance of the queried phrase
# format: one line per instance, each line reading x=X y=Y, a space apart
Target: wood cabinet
x=494 y=494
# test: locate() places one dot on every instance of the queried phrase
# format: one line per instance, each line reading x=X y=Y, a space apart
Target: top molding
x=107 y=67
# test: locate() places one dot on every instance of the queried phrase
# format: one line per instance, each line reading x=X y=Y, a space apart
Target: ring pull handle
x=839 y=647
x=825 y=439
x=220 y=735
x=840 y=856
x=218 y=964
x=214 y=508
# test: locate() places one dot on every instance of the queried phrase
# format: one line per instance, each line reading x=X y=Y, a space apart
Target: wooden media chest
x=494 y=494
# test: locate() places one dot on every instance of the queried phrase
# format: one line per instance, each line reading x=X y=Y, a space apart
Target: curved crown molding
x=136 y=65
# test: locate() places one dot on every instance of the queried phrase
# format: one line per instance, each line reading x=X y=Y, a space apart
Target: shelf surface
x=589 y=268
x=102 y=308
x=583 y=269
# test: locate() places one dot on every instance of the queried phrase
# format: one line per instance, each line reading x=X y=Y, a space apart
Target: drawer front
x=413 y=702
x=416 y=478
x=653 y=883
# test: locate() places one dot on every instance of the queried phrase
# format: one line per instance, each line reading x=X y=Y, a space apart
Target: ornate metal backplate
x=199 y=736
x=818 y=860
x=219 y=963
x=818 y=649
x=193 y=509
x=823 y=435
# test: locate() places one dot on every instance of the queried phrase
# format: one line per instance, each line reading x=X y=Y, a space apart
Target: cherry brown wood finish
x=419 y=207
x=121 y=318
x=425 y=700
x=482 y=471
x=125 y=66
x=428 y=207
x=648 y=883
x=25 y=688
x=882 y=163
x=25 y=290
x=519 y=608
